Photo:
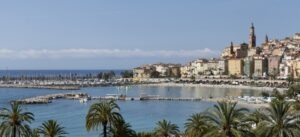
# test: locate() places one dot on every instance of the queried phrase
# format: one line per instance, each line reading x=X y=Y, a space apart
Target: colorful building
x=235 y=67
x=273 y=64
x=248 y=66
x=260 y=66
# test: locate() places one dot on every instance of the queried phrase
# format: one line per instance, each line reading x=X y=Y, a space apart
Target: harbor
x=58 y=87
x=48 y=98
x=68 y=110
x=84 y=97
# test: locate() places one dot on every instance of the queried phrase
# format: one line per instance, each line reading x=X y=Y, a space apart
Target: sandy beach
x=234 y=99
x=240 y=103
x=214 y=86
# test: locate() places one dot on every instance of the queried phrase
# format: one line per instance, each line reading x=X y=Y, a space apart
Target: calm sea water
x=142 y=115
x=34 y=73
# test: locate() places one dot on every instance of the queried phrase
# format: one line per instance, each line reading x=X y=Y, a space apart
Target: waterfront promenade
x=77 y=84
x=172 y=84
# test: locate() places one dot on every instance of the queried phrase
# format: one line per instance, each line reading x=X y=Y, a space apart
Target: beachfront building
x=273 y=64
x=162 y=69
x=186 y=71
x=212 y=67
x=199 y=67
x=159 y=70
x=248 y=66
x=143 y=72
x=235 y=67
x=284 y=70
x=286 y=65
x=296 y=68
x=260 y=66
x=223 y=67
x=175 y=70
x=202 y=67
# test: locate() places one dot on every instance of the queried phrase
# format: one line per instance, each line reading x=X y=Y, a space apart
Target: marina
x=72 y=111
x=59 y=87
x=48 y=98
x=84 y=97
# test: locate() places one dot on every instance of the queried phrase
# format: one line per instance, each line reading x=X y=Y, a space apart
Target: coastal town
x=273 y=59
x=274 y=63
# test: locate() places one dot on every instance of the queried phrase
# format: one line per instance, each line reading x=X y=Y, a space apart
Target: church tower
x=252 y=37
x=266 y=39
x=231 y=48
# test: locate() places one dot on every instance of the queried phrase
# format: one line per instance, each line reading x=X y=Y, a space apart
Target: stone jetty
x=48 y=98
x=144 y=98
x=58 y=87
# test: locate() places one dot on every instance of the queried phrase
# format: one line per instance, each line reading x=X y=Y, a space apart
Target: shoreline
x=239 y=103
x=213 y=86
x=54 y=87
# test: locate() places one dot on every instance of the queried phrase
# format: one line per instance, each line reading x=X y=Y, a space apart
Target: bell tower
x=252 y=37
x=266 y=39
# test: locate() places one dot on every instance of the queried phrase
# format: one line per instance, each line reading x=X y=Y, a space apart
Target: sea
x=35 y=73
x=142 y=115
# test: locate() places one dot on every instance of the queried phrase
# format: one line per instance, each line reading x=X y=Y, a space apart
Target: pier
x=147 y=99
x=84 y=97
x=48 y=98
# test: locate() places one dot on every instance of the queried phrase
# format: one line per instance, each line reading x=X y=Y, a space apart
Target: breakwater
x=58 y=87
x=84 y=97
x=145 y=98
x=48 y=98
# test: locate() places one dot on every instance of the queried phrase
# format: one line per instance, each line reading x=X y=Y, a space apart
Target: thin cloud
x=97 y=53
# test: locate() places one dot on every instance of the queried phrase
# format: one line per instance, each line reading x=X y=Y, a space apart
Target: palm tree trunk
x=14 y=131
x=104 y=130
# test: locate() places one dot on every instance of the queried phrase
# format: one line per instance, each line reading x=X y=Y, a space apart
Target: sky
x=122 y=34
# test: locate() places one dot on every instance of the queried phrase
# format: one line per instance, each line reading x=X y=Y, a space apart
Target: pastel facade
x=296 y=68
x=199 y=67
x=223 y=67
x=162 y=69
x=235 y=67
x=248 y=66
x=273 y=64
x=142 y=72
x=260 y=67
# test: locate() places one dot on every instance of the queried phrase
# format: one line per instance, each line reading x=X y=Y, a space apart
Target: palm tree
x=293 y=91
x=166 y=129
x=226 y=120
x=256 y=116
x=101 y=115
x=280 y=120
x=144 y=134
x=122 y=129
x=51 y=128
x=196 y=126
x=15 y=122
x=33 y=133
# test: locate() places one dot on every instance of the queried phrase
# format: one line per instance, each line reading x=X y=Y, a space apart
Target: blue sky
x=120 y=34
